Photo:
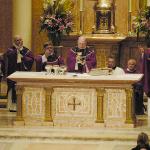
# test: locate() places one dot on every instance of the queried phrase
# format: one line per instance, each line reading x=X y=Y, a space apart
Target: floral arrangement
x=141 y=23
x=56 y=19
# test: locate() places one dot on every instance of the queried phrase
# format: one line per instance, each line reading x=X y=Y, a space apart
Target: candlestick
x=81 y=5
x=129 y=23
x=81 y=22
x=129 y=5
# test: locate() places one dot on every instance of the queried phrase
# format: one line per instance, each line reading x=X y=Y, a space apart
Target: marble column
x=22 y=17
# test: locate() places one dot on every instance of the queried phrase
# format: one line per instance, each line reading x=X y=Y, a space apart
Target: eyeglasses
x=49 y=47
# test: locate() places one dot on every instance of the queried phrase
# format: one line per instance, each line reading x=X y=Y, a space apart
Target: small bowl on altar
x=62 y=70
x=48 y=69
x=56 y=69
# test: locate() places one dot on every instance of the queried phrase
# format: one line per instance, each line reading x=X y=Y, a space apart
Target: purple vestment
x=26 y=60
x=138 y=93
x=89 y=56
x=144 y=67
x=51 y=60
x=12 y=65
x=2 y=67
x=130 y=71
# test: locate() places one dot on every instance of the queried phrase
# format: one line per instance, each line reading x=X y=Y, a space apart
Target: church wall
x=5 y=24
x=88 y=20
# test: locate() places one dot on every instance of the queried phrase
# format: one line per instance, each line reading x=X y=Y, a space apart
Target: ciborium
x=105 y=16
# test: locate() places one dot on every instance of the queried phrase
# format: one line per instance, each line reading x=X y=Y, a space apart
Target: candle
x=129 y=5
x=148 y=3
x=81 y=5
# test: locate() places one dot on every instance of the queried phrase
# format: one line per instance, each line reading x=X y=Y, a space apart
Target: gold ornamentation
x=100 y=99
x=104 y=20
x=48 y=104
x=129 y=106
x=102 y=58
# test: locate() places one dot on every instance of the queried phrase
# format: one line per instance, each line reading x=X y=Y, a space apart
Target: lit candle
x=81 y=5
x=129 y=5
x=148 y=3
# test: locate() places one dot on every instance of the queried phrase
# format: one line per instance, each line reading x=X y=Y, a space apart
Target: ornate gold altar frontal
x=105 y=16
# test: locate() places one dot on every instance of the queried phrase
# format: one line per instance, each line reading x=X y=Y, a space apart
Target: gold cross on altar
x=74 y=104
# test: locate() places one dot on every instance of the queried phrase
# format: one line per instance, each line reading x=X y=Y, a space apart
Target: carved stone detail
x=74 y=107
x=19 y=92
x=34 y=103
x=115 y=107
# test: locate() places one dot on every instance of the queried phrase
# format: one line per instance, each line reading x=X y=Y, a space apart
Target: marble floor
x=48 y=138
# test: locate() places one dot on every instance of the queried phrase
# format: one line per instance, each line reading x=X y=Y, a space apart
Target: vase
x=55 y=38
x=58 y=50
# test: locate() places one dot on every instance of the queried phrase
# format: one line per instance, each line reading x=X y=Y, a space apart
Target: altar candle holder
x=81 y=22
x=81 y=16
x=129 y=22
x=129 y=16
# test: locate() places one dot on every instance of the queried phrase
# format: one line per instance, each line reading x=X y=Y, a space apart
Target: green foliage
x=141 y=23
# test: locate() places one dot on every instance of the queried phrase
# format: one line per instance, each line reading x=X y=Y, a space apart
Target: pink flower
x=56 y=20
x=69 y=24
x=61 y=28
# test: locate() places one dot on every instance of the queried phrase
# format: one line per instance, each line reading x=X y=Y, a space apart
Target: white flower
x=45 y=5
x=62 y=1
x=46 y=21
x=48 y=2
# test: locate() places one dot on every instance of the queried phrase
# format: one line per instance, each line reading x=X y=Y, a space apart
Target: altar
x=75 y=100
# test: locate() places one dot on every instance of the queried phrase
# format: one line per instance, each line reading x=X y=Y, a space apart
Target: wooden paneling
x=129 y=49
x=5 y=24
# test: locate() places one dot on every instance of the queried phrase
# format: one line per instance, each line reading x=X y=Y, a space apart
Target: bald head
x=131 y=64
x=82 y=42
x=18 y=41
